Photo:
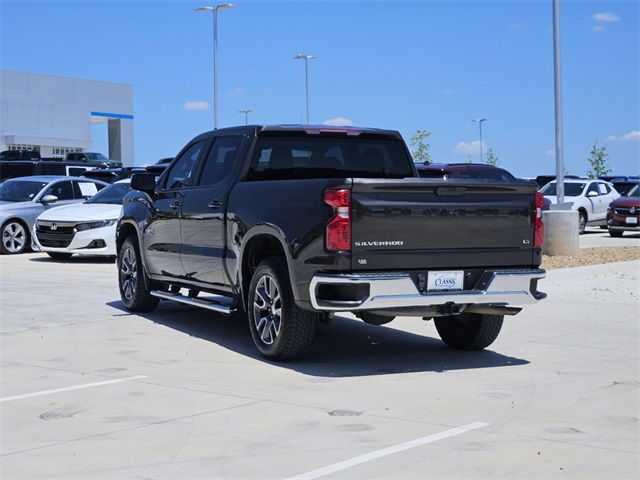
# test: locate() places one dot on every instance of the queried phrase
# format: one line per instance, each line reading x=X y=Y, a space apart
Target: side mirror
x=145 y=182
x=49 y=199
x=592 y=194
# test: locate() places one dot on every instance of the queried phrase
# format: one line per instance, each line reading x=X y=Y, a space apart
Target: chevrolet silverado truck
x=291 y=225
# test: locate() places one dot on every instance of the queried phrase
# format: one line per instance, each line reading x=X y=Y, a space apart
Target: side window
x=181 y=174
x=220 y=160
x=604 y=188
x=85 y=189
x=593 y=188
x=62 y=190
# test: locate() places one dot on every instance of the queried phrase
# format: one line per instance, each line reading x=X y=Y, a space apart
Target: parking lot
x=91 y=391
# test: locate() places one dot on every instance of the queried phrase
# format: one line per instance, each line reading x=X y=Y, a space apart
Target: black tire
x=469 y=331
x=15 y=237
x=59 y=255
x=132 y=281
x=280 y=329
x=374 y=318
x=582 y=222
x=616 y=233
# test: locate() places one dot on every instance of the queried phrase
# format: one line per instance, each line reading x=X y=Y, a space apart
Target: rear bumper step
x=398 y=291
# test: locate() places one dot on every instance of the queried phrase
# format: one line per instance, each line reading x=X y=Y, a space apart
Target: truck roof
x=312 y=130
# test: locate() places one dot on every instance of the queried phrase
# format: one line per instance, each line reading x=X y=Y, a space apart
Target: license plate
x=445 y=281
x=632 y=220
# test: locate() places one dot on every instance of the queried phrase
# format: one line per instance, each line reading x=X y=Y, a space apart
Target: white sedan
x=88 y=228
x=589 y=197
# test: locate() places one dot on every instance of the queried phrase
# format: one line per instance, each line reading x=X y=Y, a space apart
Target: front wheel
x=15 y=237
x=132 y=281
x=469 y=331
x=280 y=329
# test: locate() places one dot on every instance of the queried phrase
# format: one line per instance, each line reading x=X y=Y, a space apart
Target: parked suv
x=463 y=170
x=623 y=214
x=92 y=158
x=590 y=198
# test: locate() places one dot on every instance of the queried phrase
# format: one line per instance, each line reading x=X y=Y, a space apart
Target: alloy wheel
x=267 y=309
x=128 y=273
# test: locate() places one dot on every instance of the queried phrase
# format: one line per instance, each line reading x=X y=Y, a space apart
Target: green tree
x=491 y=158
x=599 y=161
x=420 y=152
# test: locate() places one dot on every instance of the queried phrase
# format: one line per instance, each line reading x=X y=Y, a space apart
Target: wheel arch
x=260 y=243
x=125 y=230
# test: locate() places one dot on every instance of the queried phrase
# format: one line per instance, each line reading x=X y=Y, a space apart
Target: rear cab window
x=280 y=157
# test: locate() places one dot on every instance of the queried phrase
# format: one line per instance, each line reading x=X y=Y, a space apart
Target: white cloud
x=606 y=17
x=599 y=28
x=632 y=136
x=550 y=153
x=338 y=121
x=201 y=105
x=447 y=91
x=238 y=92
x=464 y=148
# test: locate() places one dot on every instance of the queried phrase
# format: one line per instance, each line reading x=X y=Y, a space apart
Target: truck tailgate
x=425 y=223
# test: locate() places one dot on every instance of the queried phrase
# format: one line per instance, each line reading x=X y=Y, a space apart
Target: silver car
x=23 y=199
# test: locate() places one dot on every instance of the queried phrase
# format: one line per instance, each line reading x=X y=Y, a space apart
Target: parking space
x=89 y=390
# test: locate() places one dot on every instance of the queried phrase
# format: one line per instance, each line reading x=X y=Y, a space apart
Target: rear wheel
x=15 y=237
x=582 y=222
x=280 y=329
x=615 y=233
x=469 y=331
x=134 y=290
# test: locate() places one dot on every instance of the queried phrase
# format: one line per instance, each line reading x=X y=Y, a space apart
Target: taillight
x=538 y=226
x=339 y=227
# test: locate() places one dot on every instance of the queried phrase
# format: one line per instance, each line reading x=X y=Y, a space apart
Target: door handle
x=215 y=204
x=175 y=205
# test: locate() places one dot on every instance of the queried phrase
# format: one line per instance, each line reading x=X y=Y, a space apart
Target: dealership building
x=55 y=115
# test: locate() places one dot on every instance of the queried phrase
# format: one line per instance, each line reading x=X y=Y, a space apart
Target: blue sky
x=403 y=65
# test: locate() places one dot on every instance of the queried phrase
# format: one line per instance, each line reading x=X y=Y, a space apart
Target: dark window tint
x=62 y=190
x=277 y=158
x=181 y=173
x=220 y=160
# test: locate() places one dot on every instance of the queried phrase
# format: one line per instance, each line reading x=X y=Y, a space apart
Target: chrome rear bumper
x=355 y=292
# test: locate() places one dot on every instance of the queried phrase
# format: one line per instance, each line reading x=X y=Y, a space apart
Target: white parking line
x=67 y=389
x=321 y=472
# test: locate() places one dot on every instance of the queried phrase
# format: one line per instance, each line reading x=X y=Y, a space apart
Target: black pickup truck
x=293 y=224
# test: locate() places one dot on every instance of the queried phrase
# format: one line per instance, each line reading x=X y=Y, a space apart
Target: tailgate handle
x=450 y=191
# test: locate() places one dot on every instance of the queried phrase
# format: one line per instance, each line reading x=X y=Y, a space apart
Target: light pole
x=246 y=115
x=480 y=120
x=557 y=95
x=306 y=58
x=215 y=54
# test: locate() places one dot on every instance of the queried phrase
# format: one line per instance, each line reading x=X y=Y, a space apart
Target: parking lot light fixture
x=215 y=10
x=480 y=120
x=306 y=59
x=246 y=115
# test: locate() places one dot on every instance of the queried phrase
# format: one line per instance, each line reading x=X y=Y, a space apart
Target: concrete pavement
x=90 y=391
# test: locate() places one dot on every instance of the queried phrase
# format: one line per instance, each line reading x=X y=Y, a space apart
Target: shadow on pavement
x=348 y=348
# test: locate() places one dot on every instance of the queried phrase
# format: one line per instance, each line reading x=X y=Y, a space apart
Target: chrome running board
x=223 y=305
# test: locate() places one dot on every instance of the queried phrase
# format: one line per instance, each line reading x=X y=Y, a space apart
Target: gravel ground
x=591 y=256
